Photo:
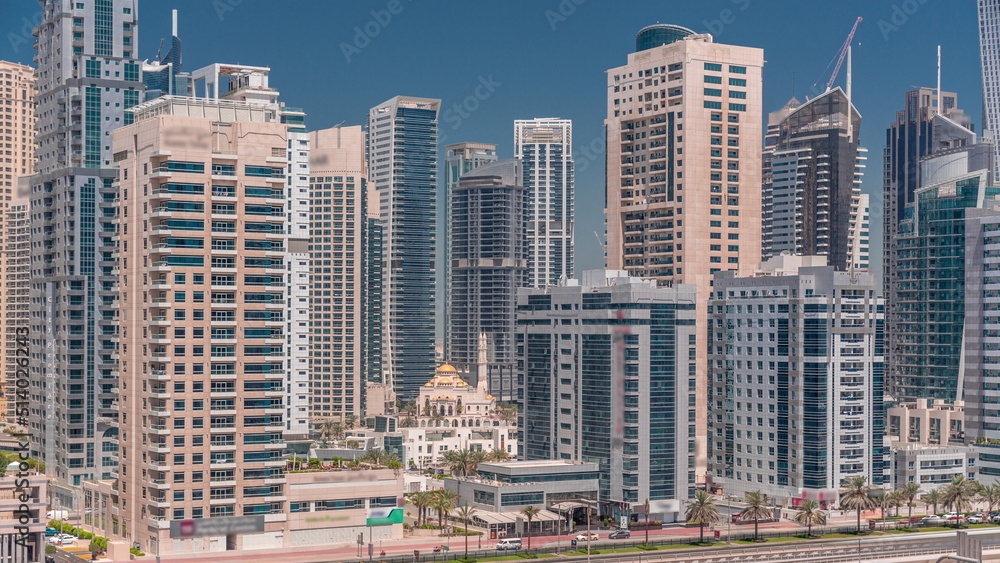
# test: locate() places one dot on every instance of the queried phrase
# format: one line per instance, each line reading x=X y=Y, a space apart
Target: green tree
x=466 y=512
x=990 y=494
x=421 y=500
x=933 y=498
x=475 y=458
x=5 y=459
x=809 y=514
x=856 y=494
x=95 y=548
x=331 y=428
x=645 y=513
x=701 y=510
x=758 y=507
x=408 y=422
x=444 y=501
x=496 y=454
x=883 y=502
x=529 y=513
x=907 y=493
x=960 y=493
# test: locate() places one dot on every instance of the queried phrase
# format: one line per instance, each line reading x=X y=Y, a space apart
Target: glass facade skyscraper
x=88 y=76
x=989 y=52
x=402 y=168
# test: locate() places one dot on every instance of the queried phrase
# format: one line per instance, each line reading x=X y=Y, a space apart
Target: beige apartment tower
x=202 y=273
x=684 y=169
x=17 y=145
x=337 y=211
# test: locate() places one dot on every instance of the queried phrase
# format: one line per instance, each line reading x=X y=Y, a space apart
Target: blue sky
x=546 y=58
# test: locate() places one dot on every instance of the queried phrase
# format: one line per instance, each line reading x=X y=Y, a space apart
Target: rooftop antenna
x=793 y=83
x=939 y=81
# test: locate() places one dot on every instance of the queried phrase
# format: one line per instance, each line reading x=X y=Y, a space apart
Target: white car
x=974 y=519
x=587 y=536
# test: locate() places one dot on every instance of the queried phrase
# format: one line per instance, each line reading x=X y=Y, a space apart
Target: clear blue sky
x=546 y=58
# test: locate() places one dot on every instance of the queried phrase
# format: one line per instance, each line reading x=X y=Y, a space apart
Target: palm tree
x=883 y=501
x=421 y=501
x=960 y=493
x=444 y=501
x=466 y=512
x=908 y=492
x=350 y=421
x=701 y=510
x=895 y=499
x=856 y=494
x=457 y=461
x=933 y=498
x=475 y=458
x=408 y=422
x=758 y=507
x=645 y=512
x=331 y=428
x=496 y=454
x=809 y=514
x=529 y=513
x=990 y=494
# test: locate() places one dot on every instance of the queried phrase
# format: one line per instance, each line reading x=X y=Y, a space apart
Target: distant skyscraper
x=459 y=159
x=87 y=77
x=214 y=304
x=163 y=77
x=402 y=166
x=545 y=147
x=488 y=264
x=608 y=371
x=17 y=111
x=683 y=167
x=989 y=53
x=927 y=275
x=812 y=182
x=336 y=252
x=796 y=380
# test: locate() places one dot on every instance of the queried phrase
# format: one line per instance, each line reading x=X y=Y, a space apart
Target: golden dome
x=444 y=380
x=447 y=368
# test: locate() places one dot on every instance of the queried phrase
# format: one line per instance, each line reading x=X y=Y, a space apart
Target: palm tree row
x=441 y=501
x=382 y=458
x=464 y=463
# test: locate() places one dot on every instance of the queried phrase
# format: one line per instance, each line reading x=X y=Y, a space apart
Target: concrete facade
x=23 y=502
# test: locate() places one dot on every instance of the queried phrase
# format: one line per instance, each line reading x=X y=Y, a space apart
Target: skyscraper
x=812 y=166
x=796 y=380
x=402 y=167
x=17 y=111
x=684 y=167
x=927 y=275
x=87 y=77
x=165 y=77
x=989 y=53
x=545 y=148
x=459 y=159
x=213 y=304
x=608 y=364
x=336 y=252
x=488 y=265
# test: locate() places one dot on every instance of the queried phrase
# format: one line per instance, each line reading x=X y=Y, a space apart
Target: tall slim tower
x=545 y=147
x=87 y=77
x=459 y=159
x=813 y=165
x=336 y=342
x=214 y=304
x=488 y=265
x=684 y=169
x=17 y=111
x=989 y=53
x=402 y=166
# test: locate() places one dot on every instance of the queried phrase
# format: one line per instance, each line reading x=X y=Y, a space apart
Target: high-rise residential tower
x=927 y=275
x=402 y=167
x=459 y=159
x=214 y=305
x=17 y=112
x=488 y=265
x=989 y=53
x=684 y=167
x=545 y=148
x=608 y=364
x=87 y=77
x=812 y=168
x=336 y=253
x=796 y=380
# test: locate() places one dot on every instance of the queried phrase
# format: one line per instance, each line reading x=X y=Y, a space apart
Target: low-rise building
x=23 y=501
x=930 y=466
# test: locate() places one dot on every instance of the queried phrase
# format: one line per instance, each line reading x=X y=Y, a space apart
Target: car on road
x=619 y=535
x=933 y=519
x=49 y=532
x=974 y=518
x=587 y=536
x=952 y=516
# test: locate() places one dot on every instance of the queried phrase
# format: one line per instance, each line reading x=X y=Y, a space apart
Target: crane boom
x=843 y=53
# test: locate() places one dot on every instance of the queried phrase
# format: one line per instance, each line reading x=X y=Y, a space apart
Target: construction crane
x=843 y=53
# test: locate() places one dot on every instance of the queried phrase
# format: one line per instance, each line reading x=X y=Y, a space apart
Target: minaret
x=481 y=363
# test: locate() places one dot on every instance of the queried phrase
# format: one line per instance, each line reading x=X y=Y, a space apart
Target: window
x=713 y=105
x=738 y=69
x=713 y=92
x=737 y=107
x=737 y=82
x=716 y=67
x=713 y=79
x=737 y=94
